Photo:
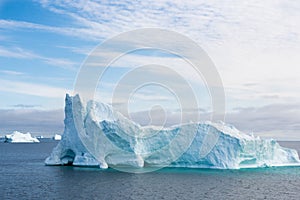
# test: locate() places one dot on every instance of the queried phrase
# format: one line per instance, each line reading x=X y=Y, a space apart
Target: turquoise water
x=24 y=176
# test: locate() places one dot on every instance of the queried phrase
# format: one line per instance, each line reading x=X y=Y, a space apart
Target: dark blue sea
x=23 y=175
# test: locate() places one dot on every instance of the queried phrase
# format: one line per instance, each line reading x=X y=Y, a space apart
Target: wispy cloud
x=249 y=42
x=19 y=53
x=203 y=21
x=233 y=33
x=79 y=50
x=10 y=72
x=25 y=106
x=83 y=33
x=32 y=89
x=16 y=53
x=214 y=19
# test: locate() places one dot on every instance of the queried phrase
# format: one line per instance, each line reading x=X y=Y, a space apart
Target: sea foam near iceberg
x=96 y=135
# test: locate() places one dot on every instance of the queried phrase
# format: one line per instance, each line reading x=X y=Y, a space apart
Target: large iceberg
x=96 y=135
x=18 y=137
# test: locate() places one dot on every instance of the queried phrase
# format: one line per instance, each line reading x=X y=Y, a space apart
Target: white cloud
x=83 y=33
x=249 y=41
x=10 y=72
x=32 y=89
x=79 y=50
x=201 y=19
x=16 y=53
x=19 y=53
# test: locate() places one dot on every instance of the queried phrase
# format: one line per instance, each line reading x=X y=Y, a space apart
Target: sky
x=253 y=44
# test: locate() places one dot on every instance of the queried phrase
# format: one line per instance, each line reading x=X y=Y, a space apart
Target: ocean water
x=23 y=175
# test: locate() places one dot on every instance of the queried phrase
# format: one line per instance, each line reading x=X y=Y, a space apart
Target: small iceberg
x=56 y=137
x=18 y=137
x=96 y=135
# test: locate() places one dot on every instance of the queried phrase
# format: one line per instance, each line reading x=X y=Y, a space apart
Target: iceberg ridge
x=96 y=135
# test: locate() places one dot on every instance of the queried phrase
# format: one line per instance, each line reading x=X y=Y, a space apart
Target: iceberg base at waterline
x=97 y=136
x=18 y=137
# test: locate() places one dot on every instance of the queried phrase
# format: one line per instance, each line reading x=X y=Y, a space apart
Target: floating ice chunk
x=57 y=137
x=18 y=137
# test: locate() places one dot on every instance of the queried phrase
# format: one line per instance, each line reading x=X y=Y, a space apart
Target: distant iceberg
x=96 y=135
x=57 y=137
x=18 y=137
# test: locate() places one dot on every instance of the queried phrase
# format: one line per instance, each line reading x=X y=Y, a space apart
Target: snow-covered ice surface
x=57 y=137
x=18 y=137
x=96 y=135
